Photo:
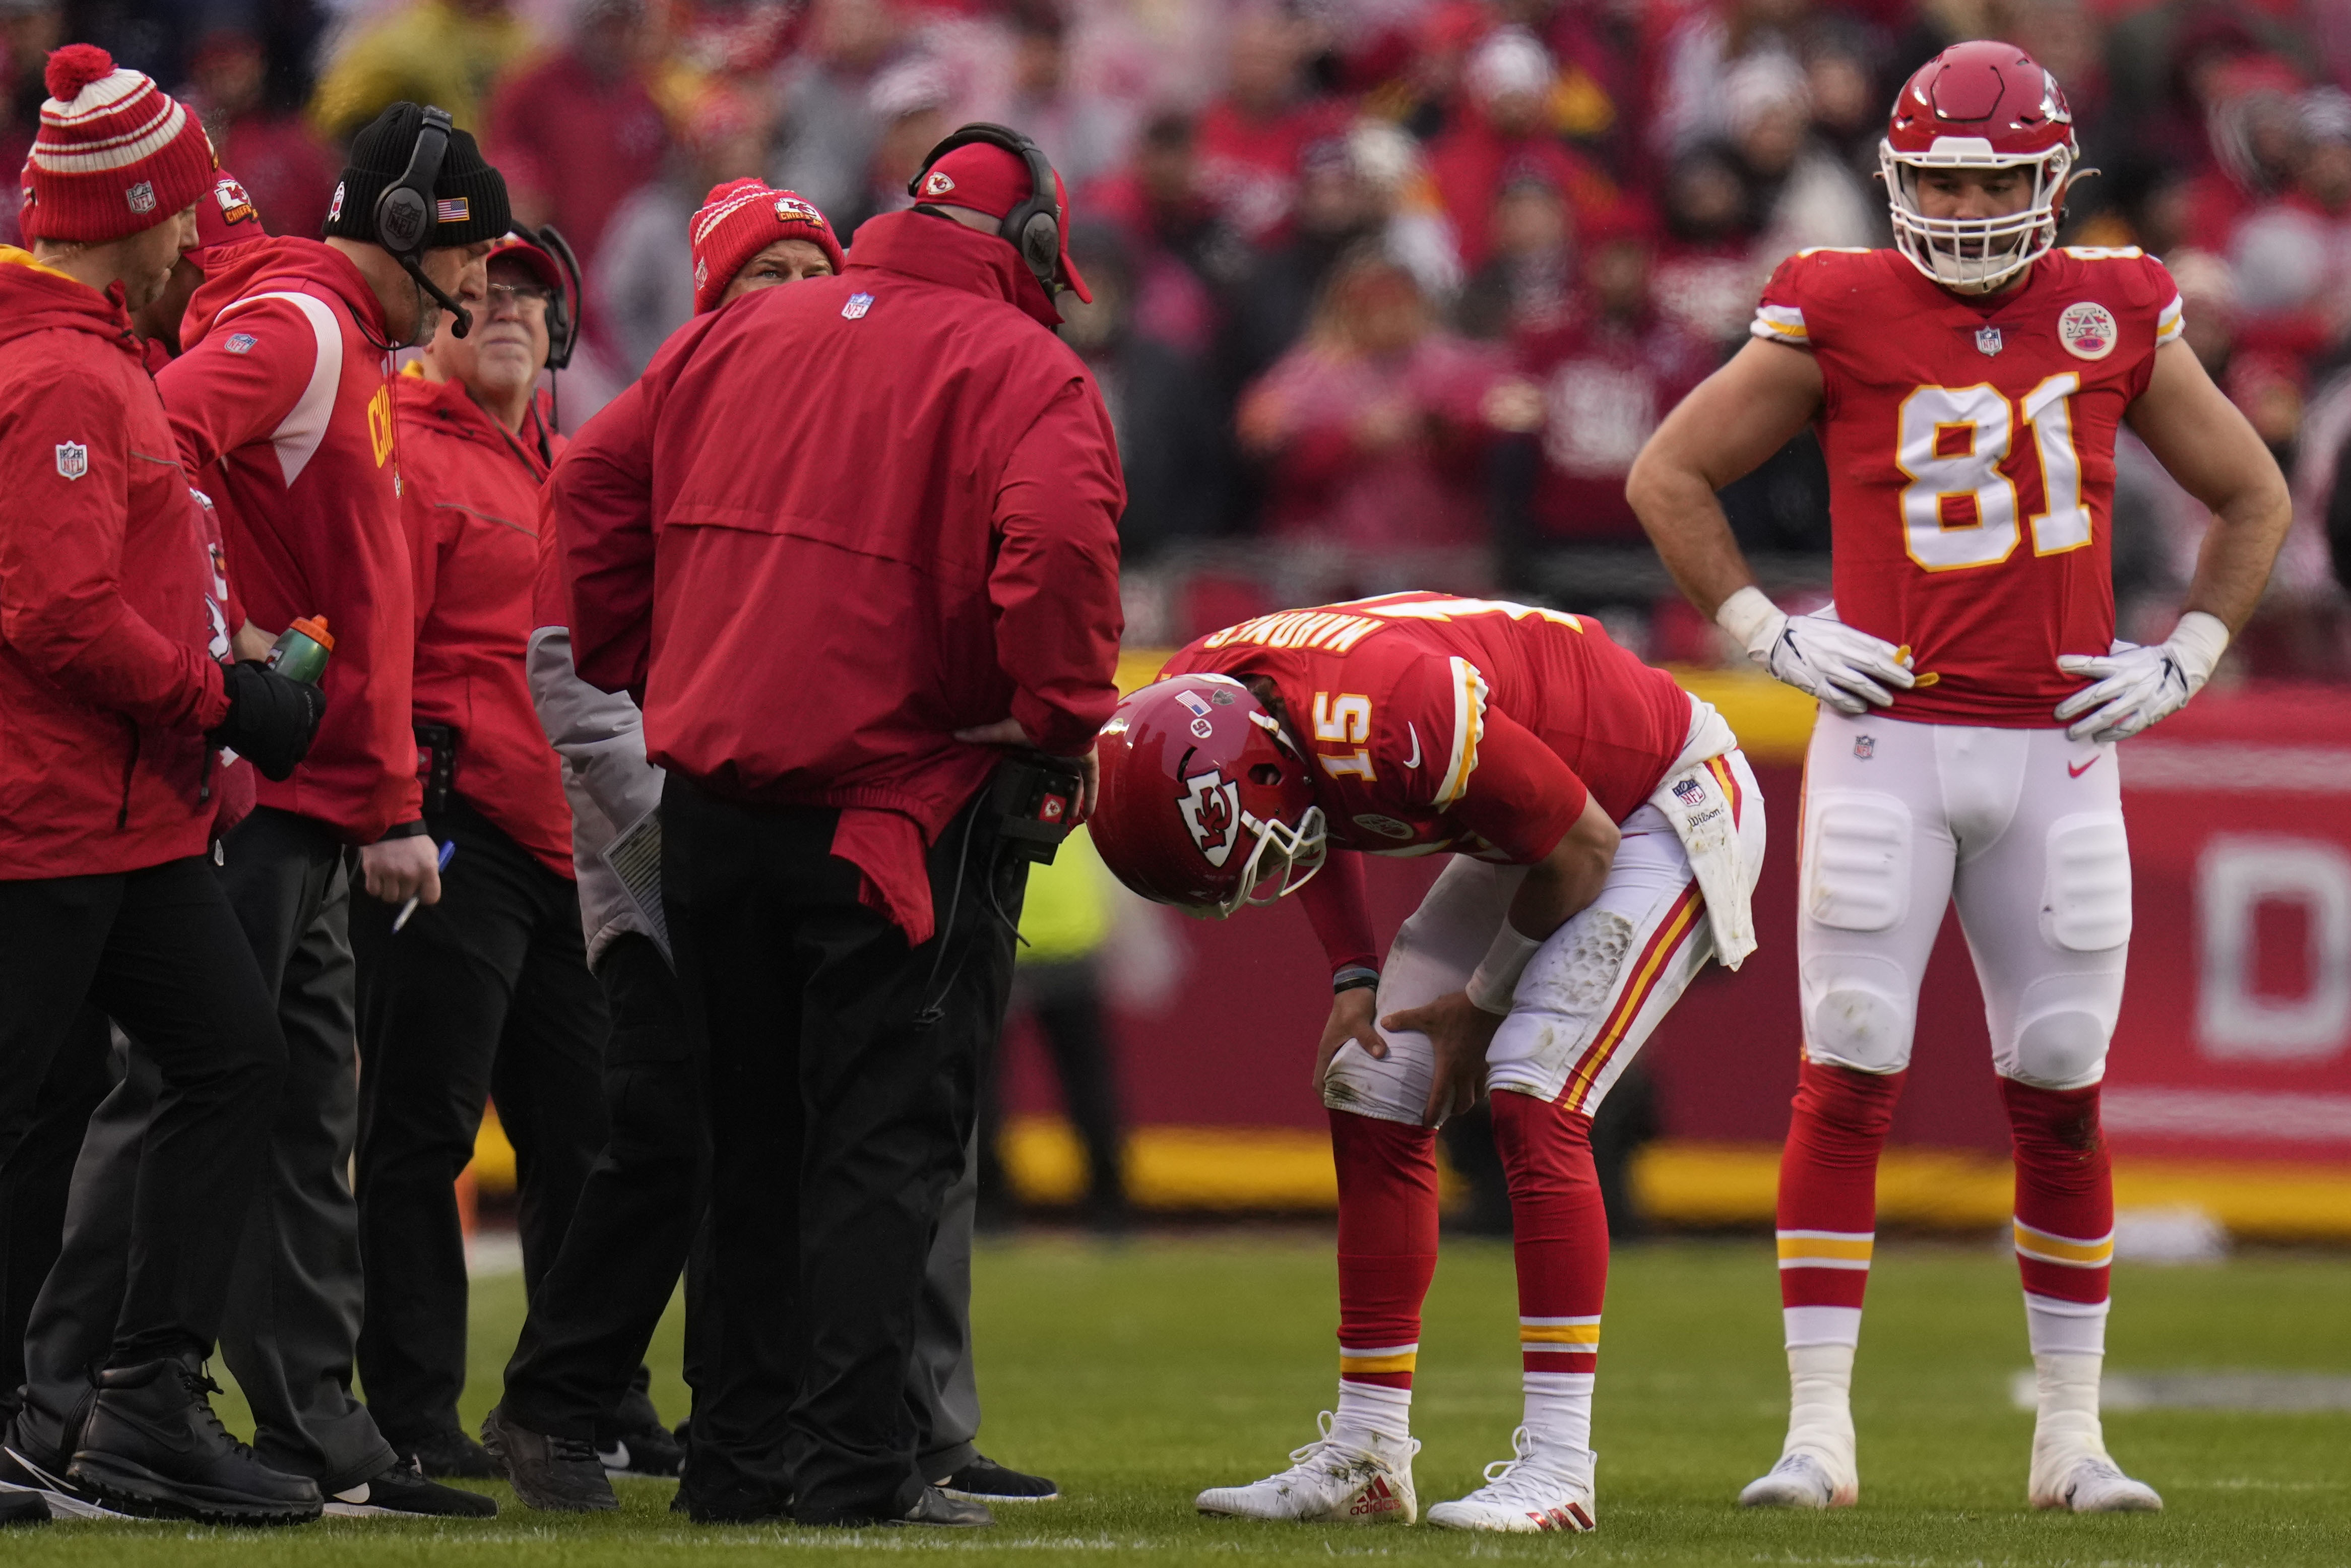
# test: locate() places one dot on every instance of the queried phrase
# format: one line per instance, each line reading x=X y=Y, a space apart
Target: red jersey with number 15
x=1469 y=725
x=1970 y=447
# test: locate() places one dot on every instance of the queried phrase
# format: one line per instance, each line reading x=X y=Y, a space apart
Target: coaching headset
x=1034 y=227
x=404 y=211
x=563 y=311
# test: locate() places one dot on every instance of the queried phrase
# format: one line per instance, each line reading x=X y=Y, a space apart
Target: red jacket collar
x=448 y=405
x=938 y=250
x=35 y=299
x=232 y=272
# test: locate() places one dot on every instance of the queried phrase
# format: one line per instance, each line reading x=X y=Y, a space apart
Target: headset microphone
x=405 y=214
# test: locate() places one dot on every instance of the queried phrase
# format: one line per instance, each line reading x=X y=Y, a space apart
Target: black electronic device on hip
x=1035 y=803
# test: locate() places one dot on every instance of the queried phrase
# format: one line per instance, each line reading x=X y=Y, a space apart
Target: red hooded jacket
x=109 y=629
x=469 y=503
x=836 y=522
x=282 y=408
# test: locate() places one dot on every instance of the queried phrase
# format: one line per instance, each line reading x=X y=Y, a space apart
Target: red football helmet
x=1205 y=802
x=1979 y=105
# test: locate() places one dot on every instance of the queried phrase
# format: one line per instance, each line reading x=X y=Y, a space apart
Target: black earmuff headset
x=1034 y=227
x=404 y=211
x=562 y=311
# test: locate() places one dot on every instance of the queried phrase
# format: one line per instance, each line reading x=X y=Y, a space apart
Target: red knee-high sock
x=2064 y=1213
x=1561 y=1229
x=1387 y=1245
x=1828 y=1198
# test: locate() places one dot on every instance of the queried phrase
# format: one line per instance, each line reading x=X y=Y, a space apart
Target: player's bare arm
x=1738 y=417
x=1557 y=888
x=2203 y=442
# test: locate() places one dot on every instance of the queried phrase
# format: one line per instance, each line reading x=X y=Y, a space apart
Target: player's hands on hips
x=1846 y=668
x=1461 y=1031
x=1351 y=1019
x=398 y=869
x=1010 y=732
x=2136 y=685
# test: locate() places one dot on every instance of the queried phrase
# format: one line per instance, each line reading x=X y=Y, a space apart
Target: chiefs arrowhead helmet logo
x=1211 y=806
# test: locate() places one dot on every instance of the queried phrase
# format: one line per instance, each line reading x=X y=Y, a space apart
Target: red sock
x=2064 y=1192
x=1828 y=1190
x=1387 y=1244
x=1562 y=1230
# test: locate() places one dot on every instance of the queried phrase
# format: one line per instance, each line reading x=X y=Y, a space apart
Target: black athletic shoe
x=984 y=1480
x=23 y=1507
x=945 y=1509
x=449 y=1455
x=561 y=1475
x=153 y=1448
x=399 y=1490
x=42 y=1478
x=650 y=1452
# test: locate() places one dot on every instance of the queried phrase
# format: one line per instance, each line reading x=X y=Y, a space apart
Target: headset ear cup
x=400 y=215
x=1040 y=246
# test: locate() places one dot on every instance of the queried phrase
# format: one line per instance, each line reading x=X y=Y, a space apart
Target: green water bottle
x=300 y=652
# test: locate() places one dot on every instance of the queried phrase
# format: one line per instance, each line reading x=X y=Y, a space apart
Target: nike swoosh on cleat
x=1413 y=761
x=2073 y=773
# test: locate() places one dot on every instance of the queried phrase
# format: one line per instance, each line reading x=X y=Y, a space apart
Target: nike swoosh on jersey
x=1413 y=760
x=2073 y=773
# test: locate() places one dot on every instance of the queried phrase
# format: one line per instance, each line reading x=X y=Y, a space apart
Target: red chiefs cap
x=226 y=215
x=993 y=180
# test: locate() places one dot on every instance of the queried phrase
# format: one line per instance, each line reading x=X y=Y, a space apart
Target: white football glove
x=1817 y=653
x=2137 y=685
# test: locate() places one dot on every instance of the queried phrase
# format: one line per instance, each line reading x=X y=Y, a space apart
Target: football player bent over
x=1967 y=386
x=1606 y=835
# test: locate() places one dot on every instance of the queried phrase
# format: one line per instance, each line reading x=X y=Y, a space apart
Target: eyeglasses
x=524 y=301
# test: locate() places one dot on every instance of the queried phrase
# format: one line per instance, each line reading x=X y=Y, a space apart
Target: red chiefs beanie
x=115 y=155
x=740 y=219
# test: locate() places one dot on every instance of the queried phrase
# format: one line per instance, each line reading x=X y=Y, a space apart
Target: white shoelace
x=1520 y=1483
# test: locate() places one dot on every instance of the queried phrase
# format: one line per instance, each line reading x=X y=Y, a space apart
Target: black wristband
x=1355 y=978
x=416 y=829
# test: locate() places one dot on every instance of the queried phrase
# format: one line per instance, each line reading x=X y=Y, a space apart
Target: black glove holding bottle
x=271 y=719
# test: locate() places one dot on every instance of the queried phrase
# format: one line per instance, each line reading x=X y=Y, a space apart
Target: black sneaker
x=449 y=1455
x=984 y=1480
x=561 y=1475
x=401 y=1490
x=935 y=1507
x=153 y=1448
x=42 y=1479
x=23 y=1507
x=650 y=1452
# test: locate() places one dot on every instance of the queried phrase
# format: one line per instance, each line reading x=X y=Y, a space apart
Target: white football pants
x=2023 y=828
x=1591 y=994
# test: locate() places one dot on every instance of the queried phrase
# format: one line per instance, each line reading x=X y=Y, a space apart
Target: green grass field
x=1137 y=1374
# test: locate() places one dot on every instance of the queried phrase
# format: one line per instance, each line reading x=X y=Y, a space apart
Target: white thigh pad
x=2085 y=905
x=1856 y=871
x=1858 y=1012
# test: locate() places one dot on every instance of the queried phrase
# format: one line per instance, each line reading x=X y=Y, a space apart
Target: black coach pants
x=483 y=994
x=637 y=1220
x=159 y=949
x=841 y=1109
x=35 y=1178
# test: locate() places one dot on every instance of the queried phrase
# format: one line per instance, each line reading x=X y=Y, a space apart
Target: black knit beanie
x=470 y=196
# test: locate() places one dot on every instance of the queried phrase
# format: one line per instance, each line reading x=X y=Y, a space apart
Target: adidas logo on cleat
x=1377 y=1498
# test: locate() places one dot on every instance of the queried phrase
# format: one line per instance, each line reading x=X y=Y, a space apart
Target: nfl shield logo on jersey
x=73 y=459
x=1987 y=340
x=1688 y=791
x=859 y=304
x=1864 y=747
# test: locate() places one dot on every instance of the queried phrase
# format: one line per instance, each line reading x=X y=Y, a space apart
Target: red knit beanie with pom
x=115 y=153
x=740 y=219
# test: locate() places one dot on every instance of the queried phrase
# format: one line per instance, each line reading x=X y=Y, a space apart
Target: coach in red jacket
x=113 y=698
x=488 y=989
x=851 y=531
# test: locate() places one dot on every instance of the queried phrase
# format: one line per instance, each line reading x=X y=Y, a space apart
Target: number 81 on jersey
x=1959 y=509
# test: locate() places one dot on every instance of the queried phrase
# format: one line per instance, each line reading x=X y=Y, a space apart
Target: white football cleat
x=2088 y=1483
x=1543 y=1490
x=1328 y=1482
x=1804 y=1478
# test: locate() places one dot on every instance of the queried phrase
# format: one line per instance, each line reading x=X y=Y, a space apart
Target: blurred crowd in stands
x=1387 y=292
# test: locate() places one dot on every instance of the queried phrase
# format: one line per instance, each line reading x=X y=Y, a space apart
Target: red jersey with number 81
x=1970 y=447
x=1469 y=725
